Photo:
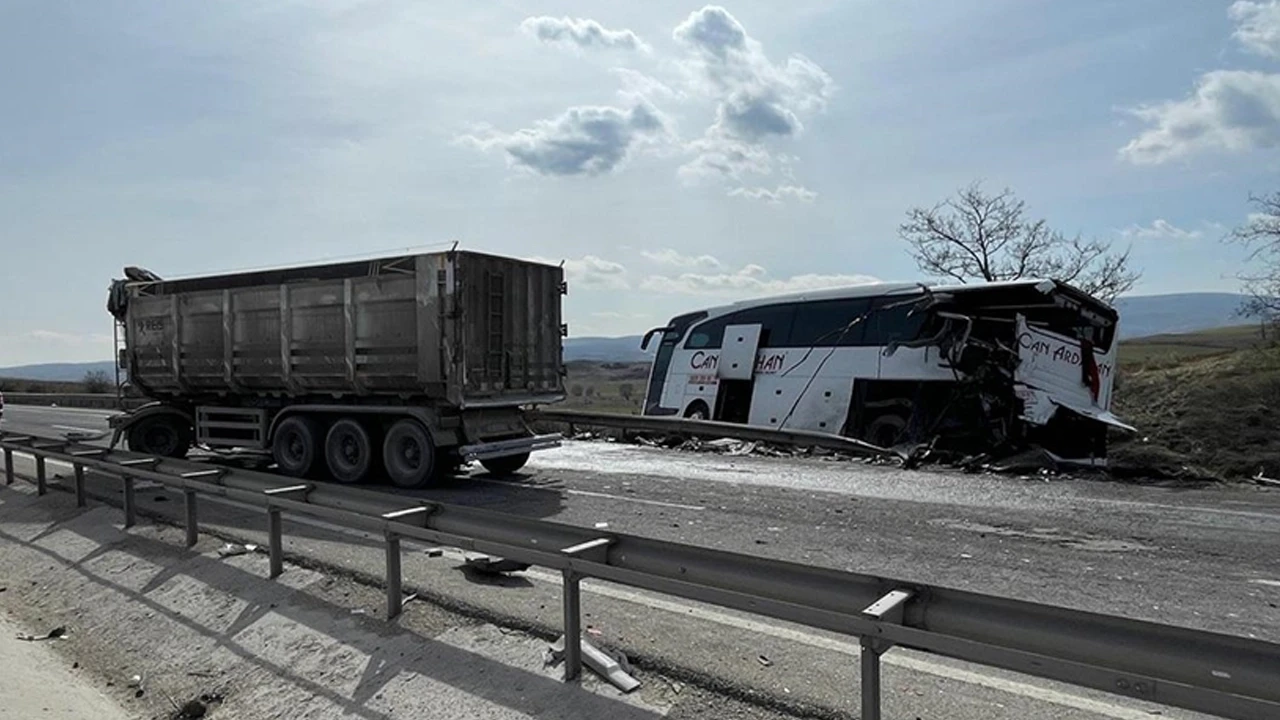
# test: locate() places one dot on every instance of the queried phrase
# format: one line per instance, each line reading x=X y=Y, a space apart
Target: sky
x=673 y=155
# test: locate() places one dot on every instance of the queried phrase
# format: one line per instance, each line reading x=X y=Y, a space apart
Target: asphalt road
x=1204 y=558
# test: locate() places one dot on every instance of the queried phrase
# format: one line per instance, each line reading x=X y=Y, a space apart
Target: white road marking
x=591 y=493
x=1273 y=583
x=642 y=501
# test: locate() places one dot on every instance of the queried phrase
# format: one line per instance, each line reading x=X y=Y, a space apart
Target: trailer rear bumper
x=514 y=446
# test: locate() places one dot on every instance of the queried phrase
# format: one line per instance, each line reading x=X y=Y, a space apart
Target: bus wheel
x=697 y=410
x=294 y=446
x=408 y=454
x=165 y=435
x=348 y=451
x=506 y=465
x=886 y=430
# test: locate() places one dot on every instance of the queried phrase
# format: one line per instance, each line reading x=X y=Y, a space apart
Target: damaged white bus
x=968 y=368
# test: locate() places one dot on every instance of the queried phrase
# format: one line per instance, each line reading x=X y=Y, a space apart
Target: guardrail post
x=40 y=475
x=193 y=527
x=275 y=543
x=81 y=500
x=130 y=511
x=394 y=576
x=572 y=625
x=8 y=466
x=275 y=539
x=869 y=659
x=889 y=608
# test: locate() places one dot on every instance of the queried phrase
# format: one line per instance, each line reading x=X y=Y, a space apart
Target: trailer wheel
x=348 y=451
x=165 y=435
x=506 y=465
x=294 y=446
x=408 y=454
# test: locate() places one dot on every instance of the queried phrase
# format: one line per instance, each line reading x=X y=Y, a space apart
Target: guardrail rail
x=1215 y=673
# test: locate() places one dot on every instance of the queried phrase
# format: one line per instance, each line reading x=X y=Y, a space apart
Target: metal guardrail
x=104 y=401
x=1225 y=675
x=686 y=427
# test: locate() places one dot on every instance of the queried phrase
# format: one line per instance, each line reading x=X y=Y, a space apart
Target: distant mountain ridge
x=1139 y=317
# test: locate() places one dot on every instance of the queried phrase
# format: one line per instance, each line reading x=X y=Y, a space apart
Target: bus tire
x=886 y=430
x=697 y=410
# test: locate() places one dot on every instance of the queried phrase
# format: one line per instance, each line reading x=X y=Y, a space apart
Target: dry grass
x=1212 y=415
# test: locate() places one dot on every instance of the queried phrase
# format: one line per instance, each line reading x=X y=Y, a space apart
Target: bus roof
x=880 y=289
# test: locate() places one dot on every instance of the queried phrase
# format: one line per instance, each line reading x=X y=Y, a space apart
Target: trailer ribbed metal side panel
x=455 y=327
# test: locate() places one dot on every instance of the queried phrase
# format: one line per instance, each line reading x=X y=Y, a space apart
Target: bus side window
x=775 y=322
x=827 y=323
x=706 y=336
x=895 y=324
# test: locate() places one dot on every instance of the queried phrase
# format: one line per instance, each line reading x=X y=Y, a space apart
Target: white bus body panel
x=1050 y=376
x=738 y=358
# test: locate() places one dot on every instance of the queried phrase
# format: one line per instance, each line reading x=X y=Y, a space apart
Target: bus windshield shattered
x=989 y=368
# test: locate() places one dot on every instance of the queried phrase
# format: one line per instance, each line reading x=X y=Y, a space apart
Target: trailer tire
x=506 y=465
x=167 y=435
x=408 y=454
x=294 y=445
x=348 y=451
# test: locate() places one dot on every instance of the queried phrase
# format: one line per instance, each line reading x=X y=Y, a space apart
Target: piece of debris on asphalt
x=490 y=564
x=434 y=552
x=764 y=660
x=137 y=683
x=197 y=708
x=602 y=525
x=1264 y=480
x=234 y=549
x=54 y=634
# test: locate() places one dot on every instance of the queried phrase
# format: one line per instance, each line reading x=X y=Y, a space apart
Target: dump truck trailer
x=399 y=367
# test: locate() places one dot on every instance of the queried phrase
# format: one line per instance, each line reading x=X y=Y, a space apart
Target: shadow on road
x=275 y=625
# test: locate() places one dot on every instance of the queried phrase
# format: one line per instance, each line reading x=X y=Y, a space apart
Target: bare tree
x=977 y=236
x=1260 y=234
x=96 y=382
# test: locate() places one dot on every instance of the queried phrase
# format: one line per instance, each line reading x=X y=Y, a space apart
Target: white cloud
x=582 y=141
x=594 y=272
x=1233 y=110
x=719 y=156
x=582 y=33
x=750 y=281
x=1160 y=229
x=757 y=99
x=1258 y=26
x=776 y=196
x=590 y=271
x=669 y=256
x=637 y=86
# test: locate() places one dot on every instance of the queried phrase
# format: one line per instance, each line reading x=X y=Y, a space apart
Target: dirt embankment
x=1211 y=417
